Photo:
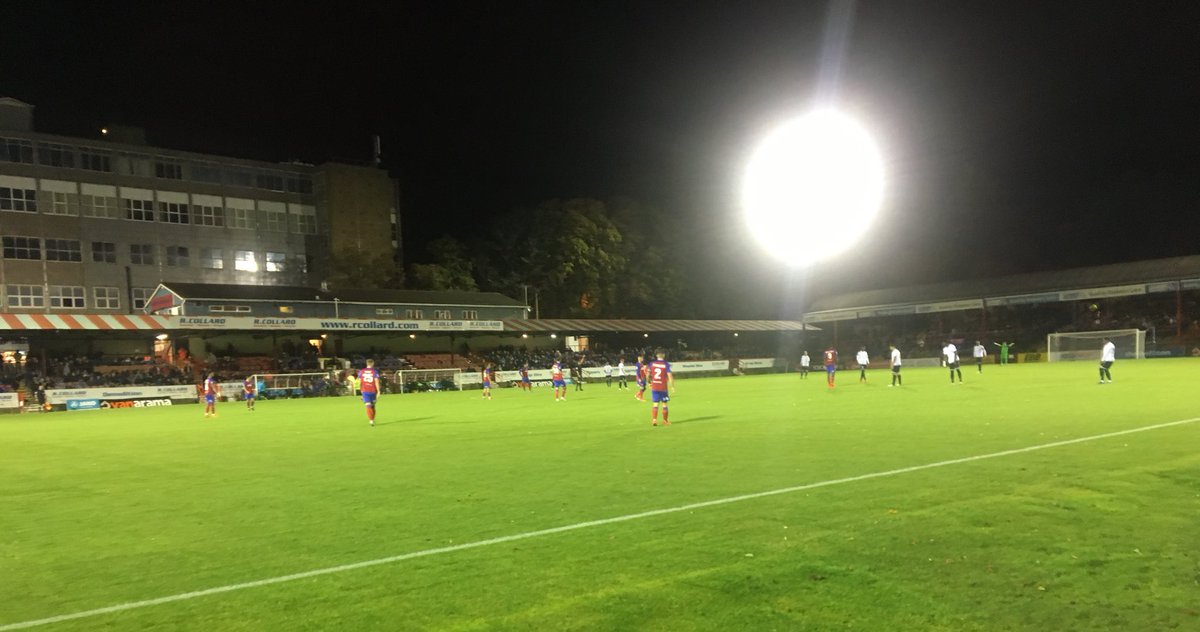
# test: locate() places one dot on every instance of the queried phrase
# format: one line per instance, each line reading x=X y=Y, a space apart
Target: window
x=239 y=218
x=141 y=210
x=63 y=250
x=16 y=150
x=53 y=155
x=206 y=172
x=299 y=184
x=270 y=180
x=286 y=309
x=414 y=314
x=135 y=165
x=173 y=212
x=384 y=311
x=239 y=177
x=67 y=297
x=470 y=314
x=22 y=248
x=168 y=169
x=273 y=216
x=299 y=263
x=104 y=252
x=229 y=308
x=209 y=215
x=140 y=296
x=244 y=260
x=99 y=205
x=57 y=203
x=95 y=160
x=441 y=314
x=212 y=258
x=13 y=199
x=141 y=254
x=177 y=256
x=303 y=218
x=276 y=262
x=26 y=296
x=106 y=298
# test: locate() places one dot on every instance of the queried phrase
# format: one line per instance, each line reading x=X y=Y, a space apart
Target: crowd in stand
x=509 y=358
x=916 y=335
x=1026 y=325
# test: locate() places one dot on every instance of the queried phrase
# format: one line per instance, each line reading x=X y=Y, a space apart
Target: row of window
x=71 y=250
x=72 y=297
x=302 y=220
x=163 y=167
x=75 y=297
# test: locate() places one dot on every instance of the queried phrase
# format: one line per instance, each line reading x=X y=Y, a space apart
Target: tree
x=356 y=269
x=451 y=268
x=569 y=251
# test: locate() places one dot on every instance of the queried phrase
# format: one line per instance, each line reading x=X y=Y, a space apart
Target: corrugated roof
x=224 y=292
x=1149 y=271
x=426 y=297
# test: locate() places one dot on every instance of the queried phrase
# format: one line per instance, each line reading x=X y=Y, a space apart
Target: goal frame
x=435 y=375
x=1053 y=355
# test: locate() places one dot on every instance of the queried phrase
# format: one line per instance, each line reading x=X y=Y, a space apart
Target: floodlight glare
x=813 y=187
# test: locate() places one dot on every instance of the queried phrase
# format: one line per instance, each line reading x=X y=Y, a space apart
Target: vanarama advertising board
x=84 y=396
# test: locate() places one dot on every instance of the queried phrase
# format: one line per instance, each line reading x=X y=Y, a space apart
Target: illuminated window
x=244 y=260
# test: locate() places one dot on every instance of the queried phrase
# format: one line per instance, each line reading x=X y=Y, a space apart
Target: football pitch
x=1029 y=497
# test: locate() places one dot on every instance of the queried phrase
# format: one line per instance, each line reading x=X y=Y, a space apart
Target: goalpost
x=286 y=385
x=1086 y=345
x=416 y=380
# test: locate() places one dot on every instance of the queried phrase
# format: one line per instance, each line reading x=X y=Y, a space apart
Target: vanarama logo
x=137 y=403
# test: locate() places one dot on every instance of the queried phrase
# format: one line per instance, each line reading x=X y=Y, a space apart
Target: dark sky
x=1019 y=136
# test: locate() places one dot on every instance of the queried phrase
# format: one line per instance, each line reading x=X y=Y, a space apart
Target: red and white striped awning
x=81 y=322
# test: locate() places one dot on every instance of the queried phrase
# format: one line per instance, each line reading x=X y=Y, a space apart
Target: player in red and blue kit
x=487 y=381
x=368 y=380
x=525 y=383
x=248 y=392
x=830 y=365
x=211 y=389
x=660 y=378
x=560 y=385
x=639 y=376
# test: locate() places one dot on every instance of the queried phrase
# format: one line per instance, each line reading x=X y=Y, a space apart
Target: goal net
x=288 y=385
x=417 y=380
x=1086 y=345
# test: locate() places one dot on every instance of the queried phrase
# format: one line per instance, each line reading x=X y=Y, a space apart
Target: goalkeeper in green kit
x=1004 y=347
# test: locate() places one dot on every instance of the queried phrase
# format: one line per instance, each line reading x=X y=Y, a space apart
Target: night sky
x=1019 y=136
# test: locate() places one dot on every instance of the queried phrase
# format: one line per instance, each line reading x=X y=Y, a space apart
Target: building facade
x=95 y=225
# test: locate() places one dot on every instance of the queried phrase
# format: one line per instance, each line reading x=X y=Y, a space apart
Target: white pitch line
x=132 y=605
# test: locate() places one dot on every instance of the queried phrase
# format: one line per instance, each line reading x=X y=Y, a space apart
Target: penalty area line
x=145 y=603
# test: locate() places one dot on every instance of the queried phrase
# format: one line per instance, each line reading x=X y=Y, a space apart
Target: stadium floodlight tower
x=818 y=181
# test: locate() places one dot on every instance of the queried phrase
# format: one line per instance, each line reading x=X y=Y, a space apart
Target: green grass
x=107 y=507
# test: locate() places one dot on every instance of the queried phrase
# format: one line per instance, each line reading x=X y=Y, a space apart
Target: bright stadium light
x=813 y=187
